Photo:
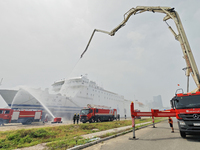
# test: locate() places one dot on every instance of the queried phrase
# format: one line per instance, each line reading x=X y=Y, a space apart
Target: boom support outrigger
x=181 y=37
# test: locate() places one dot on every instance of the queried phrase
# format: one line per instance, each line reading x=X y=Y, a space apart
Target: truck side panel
x=15 y=115
x=105 y=114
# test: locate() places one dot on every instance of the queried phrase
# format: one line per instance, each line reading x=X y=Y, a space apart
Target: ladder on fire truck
x=181 y=37
x=98 y=106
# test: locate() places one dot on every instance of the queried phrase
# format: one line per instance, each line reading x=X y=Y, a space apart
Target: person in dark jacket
x=171 y=123
x=74 y=118
x=77 y=118
x=118 y=117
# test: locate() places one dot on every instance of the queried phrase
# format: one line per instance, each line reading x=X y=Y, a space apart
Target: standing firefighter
x=77 y=118
x=118 y=117
x=171 y=123
x=74 y=118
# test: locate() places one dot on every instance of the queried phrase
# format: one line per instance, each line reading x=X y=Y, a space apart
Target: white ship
x=69 y=97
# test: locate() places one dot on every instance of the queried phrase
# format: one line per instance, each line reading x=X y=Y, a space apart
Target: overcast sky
x=42 y=40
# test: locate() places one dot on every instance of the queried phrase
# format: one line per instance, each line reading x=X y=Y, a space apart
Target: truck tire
x=98 y=120
x=183 y=135
x=92 y=120
x=29 y=121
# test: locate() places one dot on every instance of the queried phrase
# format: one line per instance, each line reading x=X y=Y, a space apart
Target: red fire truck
x=8 y=115
x=97 y=113
x=187 y=108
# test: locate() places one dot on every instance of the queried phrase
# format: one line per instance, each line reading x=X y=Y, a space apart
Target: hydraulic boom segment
x=181 y=36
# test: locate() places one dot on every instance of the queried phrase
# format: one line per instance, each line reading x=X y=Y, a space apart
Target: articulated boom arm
x=181 y=36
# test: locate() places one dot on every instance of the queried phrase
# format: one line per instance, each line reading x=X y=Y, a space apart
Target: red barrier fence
x=153 y=113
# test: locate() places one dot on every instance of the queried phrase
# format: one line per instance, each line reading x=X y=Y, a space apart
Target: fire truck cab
x=187 y=107
x=98 y=114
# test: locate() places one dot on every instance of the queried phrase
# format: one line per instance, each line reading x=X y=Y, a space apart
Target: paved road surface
x=159 y=138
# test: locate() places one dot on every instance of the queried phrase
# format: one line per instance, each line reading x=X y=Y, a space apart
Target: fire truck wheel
x=183 y=135
x=29 y=121
x=98 y=120
x=109 y=119
x=91 y=121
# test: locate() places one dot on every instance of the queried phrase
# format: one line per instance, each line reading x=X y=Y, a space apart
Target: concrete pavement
x=114 y=130
x=159 y=138
x=98 y=134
